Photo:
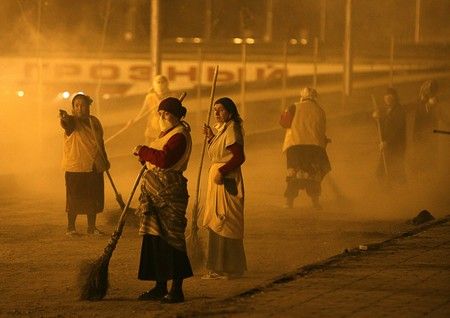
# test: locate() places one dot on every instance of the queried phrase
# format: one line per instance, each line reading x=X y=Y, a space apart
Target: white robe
x=224 y=212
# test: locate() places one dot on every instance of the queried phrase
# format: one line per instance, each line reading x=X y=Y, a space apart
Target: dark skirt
x=84 y=192
x=226 y=255
x=161 y=262
x=309 y=158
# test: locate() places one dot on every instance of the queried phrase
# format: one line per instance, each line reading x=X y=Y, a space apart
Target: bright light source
x=304 y=41
x=106 y=96
x=237 y=41
x=179 y=40
x=128 y=36
x=293 y=41
x=20 y=93
x=250 y=41
x=65 y=94
x=197 y=40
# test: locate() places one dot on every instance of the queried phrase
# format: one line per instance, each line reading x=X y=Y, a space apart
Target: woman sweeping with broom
x=163 y=204
x=224 y=211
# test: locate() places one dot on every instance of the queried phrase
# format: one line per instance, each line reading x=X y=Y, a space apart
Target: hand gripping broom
x=93 y=276
x=194 y=246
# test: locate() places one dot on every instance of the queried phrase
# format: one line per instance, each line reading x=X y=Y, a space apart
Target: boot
x=176 y=293
x=156 y=293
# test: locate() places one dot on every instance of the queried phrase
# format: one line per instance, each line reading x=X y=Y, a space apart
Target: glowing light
x=20 y=93
x=106 y=96
x=237 y=41
x=128 y=36
x=293 y=41
x=65 y=94
x=304 y=41
x=197 y=40
x=179 y=40
x=250 y=41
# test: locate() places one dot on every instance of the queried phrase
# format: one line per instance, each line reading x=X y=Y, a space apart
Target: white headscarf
x=160 y=85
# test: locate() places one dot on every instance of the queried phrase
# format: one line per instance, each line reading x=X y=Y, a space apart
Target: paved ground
x=408 y=276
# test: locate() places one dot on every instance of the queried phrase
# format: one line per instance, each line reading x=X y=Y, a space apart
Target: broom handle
x=116 y=192
x=123 y=216
x=118 y=195
x=380 y=136
x=211 y=101
x=445 y=132
x=120 y=131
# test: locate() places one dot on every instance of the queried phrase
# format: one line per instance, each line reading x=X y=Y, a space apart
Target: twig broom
x=93 y=276
x=194 y=246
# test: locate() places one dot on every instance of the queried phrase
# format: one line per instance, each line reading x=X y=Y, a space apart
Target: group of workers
x=392 y=118
x=164 y=196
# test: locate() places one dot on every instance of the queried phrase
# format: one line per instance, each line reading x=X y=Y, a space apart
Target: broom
x=380 y=138
x=93 y=276
x=194 y=246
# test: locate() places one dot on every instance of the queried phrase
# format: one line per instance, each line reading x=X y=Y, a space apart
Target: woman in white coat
x=224 y=211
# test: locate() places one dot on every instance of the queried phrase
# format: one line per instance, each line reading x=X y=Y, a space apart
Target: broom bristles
x=93 y=276
x=194 y=244
x=93 y=279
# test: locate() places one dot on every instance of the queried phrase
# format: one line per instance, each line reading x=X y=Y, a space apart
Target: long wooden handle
x=123 y=216
x=124 y=128
x=380 y=137
x=208 y=119
x=438 y=131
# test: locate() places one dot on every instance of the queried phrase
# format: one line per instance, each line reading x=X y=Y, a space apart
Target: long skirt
x=307 y=165
x=161 y=262
x=226 y=255
x=84 y=192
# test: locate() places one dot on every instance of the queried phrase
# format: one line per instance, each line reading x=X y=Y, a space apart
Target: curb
x=309 y=268
x=321 y=265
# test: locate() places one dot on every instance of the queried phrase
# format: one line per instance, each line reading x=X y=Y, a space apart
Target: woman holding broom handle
x=163 y=204
x=224 y=211
x=84 y=161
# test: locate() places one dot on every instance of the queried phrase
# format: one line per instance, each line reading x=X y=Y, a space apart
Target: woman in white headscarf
x=159 y=91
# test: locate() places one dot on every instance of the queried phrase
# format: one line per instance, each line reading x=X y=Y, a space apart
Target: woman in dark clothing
x=393 y=134
x=163 y=203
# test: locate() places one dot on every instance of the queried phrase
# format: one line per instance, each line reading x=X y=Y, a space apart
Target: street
x=39 y=263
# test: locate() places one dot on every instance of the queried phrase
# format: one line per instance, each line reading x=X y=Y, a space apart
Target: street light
x=243 y=42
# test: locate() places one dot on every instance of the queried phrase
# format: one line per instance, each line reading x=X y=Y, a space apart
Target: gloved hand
x=218 y=178
x=207 y=131
x=136 y=150
x=63 y=114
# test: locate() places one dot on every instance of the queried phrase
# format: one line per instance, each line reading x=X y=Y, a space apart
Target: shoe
x=96 y=231
x=173 y=298
x=213 y=275
x=153 y=294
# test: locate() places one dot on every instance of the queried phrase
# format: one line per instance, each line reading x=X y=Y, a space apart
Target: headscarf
x=230 y=106
x=173 y=105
